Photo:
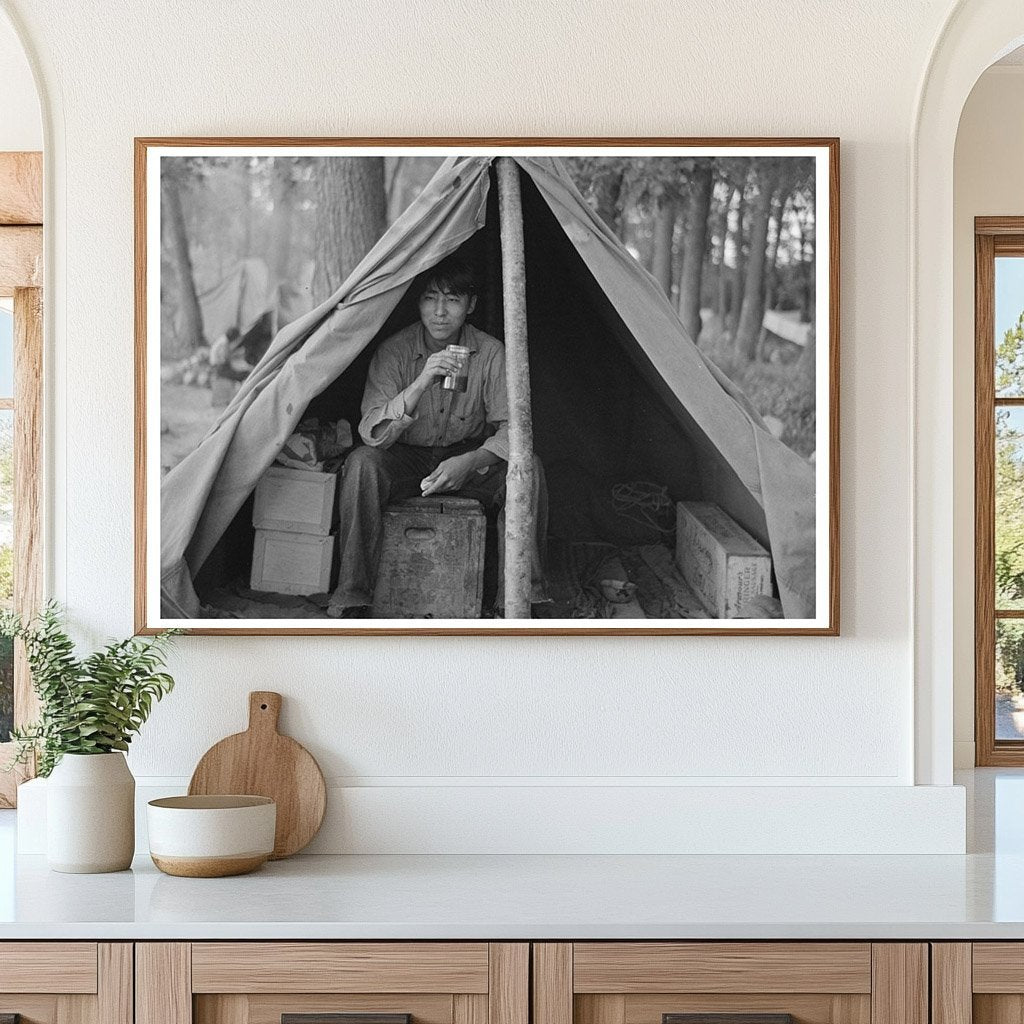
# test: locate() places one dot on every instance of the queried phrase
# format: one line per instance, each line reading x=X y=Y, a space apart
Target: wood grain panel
x=508 y=993
x=984 y=502
x=76 y=1009
x=468 y=1009
x=21 y=188
x=552 y=983
x=115 y=983
x=339 y=967
x=267 y=1009
x=998 y=1009
x=21 y=259
x=899 y=990
x=594 y=1009
x=65 y=967
x=229 y=1009
x=28 y=483
x=998 y=967
x=951 y=983
x=163 y=983
x=805 y=1008
x=34 y=1009
x=722 y=967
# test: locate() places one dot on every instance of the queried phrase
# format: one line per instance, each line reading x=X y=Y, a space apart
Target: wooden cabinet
x=651 y=982
x=66 y=982
x=262 y=982
x=979 y=982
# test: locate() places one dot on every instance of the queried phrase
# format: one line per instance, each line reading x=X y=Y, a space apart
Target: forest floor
x=776 y=389
x=186 y=416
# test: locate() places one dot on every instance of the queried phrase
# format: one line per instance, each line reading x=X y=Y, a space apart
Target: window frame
x=993 y=237
x=21 y=262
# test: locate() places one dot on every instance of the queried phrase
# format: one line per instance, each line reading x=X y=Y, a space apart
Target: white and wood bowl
x=211 y=836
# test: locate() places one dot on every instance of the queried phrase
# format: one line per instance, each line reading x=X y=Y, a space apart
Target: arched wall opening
x=976 y=34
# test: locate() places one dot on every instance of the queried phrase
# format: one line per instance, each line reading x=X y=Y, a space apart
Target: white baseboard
x=571 y=819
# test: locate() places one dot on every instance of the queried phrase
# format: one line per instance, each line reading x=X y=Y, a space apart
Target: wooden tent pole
x=519 y=511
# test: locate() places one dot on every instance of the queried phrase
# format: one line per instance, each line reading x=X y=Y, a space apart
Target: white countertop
x=517 y=897
x=977 y=896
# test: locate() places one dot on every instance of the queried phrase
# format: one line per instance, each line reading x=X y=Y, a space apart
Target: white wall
x=987 y=182
x=434 y=715
x=21 y=127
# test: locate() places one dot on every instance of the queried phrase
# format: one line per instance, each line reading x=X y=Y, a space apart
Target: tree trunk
x=752 y=315
x=694 y=245
x=772 y=269
x=661 y=254
x=283 y=221
x=349 y=217
x=722 y=302
x=608 y=190
x=191 y=336
x=738 y=276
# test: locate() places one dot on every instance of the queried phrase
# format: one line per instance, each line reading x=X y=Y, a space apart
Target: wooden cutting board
x=262 y=762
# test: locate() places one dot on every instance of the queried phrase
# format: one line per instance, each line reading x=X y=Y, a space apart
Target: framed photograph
x=500 y=386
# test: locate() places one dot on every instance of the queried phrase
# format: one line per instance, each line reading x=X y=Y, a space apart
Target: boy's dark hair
x=450 y=275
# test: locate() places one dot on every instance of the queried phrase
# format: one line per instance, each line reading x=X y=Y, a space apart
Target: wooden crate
x=723 y=564
x=291 y=563
x=432 y=560
x=295 y=500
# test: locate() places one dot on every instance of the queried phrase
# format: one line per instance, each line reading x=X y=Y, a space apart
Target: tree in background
x=349 y=217
x=189 y=335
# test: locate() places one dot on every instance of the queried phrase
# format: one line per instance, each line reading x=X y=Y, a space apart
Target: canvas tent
x=600 y=332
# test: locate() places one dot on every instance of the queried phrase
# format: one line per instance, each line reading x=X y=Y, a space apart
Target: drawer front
x=64 y=967
x=332 y=983
x=340 y=967
x=730 y=983
x=749 y=967
x=66 y=982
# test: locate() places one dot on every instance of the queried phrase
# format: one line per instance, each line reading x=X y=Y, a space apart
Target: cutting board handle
x=264 y=710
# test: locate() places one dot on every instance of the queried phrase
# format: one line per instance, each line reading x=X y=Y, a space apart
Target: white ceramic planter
x=90 y=814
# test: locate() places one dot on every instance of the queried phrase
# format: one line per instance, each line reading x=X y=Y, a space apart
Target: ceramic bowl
x=618 y=591
x=211 y=836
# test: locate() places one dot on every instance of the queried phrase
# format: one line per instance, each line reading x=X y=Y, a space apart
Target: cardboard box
x=291 y=563
x=295 y=501
x=723 y=564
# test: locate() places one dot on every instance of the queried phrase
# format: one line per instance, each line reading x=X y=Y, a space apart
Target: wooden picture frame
x=804 y=597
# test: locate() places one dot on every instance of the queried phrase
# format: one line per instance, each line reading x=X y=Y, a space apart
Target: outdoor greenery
x=1009 y=510
x=90 y=705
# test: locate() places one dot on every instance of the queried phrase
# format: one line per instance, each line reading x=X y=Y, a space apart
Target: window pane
x=1009 y=482
x=6 y=567
x=1009 y=322
x=1009 y=679
x=6 y=353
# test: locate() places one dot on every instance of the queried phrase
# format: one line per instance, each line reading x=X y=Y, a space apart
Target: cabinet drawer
x=65 y=967
x=66 y=982
x=332 y=983
x=750 y=967
x=730 y=983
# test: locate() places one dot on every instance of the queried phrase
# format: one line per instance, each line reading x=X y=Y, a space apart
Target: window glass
x=1009 y=327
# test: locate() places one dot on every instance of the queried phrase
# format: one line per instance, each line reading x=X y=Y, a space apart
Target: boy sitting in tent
x=423 y=439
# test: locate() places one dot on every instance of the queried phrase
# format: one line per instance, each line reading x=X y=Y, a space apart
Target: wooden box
x=432 y=560
x=295 y=500
x=723 y=564
x=291 y=563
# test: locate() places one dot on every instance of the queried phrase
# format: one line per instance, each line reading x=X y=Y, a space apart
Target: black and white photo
x=462 y=387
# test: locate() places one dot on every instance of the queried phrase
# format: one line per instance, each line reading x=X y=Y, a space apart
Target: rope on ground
x=645 y=503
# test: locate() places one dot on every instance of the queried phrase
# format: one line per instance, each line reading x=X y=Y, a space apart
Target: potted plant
x=89 y=710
